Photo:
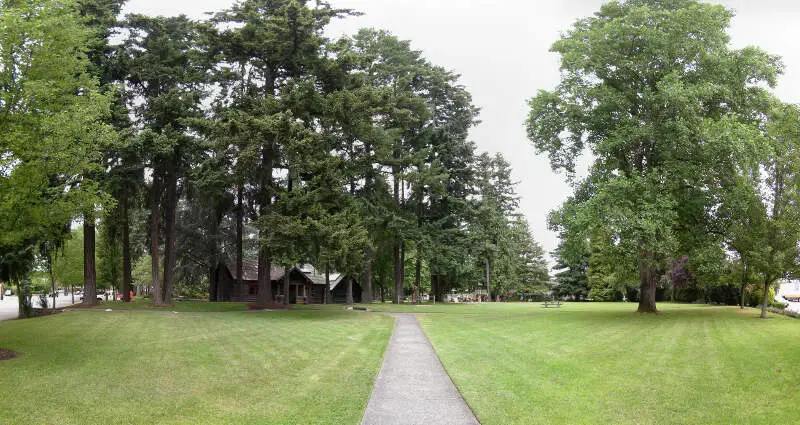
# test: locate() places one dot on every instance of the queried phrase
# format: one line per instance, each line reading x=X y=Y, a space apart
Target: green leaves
x=671 y=114
x=51 y=121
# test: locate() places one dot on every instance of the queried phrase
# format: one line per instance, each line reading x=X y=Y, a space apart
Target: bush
x=723 y=294
x=756 y=296
x=605 y=293
x=783 y=312
x=778 y=305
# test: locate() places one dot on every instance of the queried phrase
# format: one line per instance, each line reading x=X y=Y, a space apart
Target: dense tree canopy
x=671 y=115
x=52 y=130
x=196 y=144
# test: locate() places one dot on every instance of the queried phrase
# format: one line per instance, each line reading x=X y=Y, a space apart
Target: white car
x=100 y=296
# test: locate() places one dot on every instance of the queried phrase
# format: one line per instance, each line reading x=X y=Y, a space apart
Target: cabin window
x=253 y=290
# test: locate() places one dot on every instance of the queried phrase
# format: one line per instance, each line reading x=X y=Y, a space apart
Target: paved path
x=9 y=305
x=412 y=386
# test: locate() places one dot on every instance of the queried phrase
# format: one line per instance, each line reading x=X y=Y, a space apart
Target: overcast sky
x=501 y=50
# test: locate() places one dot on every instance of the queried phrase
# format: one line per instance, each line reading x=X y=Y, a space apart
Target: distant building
x=338 y=283
x=790 y=291
x=306 y=285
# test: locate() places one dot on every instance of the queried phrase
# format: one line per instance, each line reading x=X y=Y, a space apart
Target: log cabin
x=306 y=285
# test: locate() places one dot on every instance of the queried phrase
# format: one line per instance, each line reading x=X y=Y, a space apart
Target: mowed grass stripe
x=601 y=363
x=204 y=368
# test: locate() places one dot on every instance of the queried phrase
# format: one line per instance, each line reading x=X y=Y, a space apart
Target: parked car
x=8 y=292
x=100 y=296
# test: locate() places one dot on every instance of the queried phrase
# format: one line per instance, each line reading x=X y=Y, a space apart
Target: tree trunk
x=349 y=291
x=434 y=289
x=23 y=301
x=743 y=287
x=214 y=292
x=648 y=278
x=366 y=291
x=72 y=293
x=286 y=272
x=397 y=297
x=327 y=283
x=125 y=290
x=264 y=296
x=170 y=207
x=89 y=270
x=403 y=264
x=765 y=302
x=155 y=223
x=239 y=235
x=436 y=281
x=52 y=279
x=417 y=277
x=487 y=271
x=213 y=285
x=398 y=274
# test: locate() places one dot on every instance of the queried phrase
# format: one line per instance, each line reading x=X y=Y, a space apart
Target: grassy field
x=602 y=363
x=515 y=363
x=180 y=306
x=154 y=367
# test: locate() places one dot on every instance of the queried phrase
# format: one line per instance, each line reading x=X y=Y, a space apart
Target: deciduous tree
x=667 y=109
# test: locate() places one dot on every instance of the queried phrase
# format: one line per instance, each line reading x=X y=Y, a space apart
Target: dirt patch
x=7 y=354
x=273 y=306
x=80 y=305
x=38 y=312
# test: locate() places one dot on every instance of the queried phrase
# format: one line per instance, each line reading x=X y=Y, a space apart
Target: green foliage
x=52 y=131
x=68 y=262
x=670 y=117
x=756 y=298
x=570 y=277
x=142 y=272
x=341 y=153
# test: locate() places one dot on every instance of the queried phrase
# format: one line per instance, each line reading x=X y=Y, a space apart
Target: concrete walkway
x=412 y=386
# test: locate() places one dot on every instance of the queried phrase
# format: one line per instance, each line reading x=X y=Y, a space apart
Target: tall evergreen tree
x=267 y=50
x=167 y=71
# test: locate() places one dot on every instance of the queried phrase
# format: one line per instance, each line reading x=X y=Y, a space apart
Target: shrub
x=605 y=293
x=783 y=312
x=756 y=296
x=778 y=305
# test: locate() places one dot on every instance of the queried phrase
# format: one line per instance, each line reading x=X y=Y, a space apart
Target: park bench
x=552 y=303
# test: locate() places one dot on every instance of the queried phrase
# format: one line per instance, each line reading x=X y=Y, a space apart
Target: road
x=9 y=306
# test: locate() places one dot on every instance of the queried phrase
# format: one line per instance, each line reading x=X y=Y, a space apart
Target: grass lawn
x=602 y=363
x=181 y=306
x=460 y=308
x=142 y=367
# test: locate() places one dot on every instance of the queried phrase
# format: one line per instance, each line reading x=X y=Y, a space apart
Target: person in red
x=119 y=296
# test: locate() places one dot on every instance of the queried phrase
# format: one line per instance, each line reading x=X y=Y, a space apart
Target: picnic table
x=552 y=303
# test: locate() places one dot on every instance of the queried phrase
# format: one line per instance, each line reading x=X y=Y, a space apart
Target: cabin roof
x=250 y=271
